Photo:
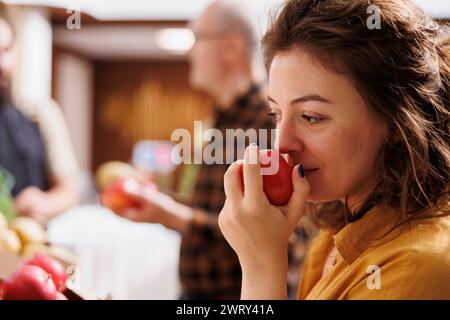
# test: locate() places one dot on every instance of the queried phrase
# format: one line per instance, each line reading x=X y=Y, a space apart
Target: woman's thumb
x=299 y=196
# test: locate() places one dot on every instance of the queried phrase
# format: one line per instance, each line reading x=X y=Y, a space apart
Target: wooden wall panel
x=141 y=100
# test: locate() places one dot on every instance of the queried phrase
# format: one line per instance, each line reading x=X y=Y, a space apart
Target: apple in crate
x=29 y=283
x=53 y=267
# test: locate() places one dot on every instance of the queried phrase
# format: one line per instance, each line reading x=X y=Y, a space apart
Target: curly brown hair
x=402 y=71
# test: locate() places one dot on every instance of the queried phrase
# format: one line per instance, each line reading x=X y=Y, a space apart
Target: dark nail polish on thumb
x=301 y=172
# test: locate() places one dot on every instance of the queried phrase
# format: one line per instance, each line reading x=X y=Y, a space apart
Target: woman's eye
x=312 y=119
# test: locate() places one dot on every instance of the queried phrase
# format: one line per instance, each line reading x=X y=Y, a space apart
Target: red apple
x=277 y=187
x=53 y=267
x=29 y=283
x=117 y=199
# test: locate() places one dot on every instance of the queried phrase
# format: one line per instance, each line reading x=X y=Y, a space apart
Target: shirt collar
x=376 y=227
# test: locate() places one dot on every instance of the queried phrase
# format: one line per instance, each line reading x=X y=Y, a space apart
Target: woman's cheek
x=354 y=161
x=333 y=153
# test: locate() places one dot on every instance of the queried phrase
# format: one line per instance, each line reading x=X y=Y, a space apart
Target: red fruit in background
x=277 y=187
x=116 y=198
x=29 y=283
x=53 y=267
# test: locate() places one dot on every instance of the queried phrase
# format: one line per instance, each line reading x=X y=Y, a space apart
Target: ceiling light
x=176 y=40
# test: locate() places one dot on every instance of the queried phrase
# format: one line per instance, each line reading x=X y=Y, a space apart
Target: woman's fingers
x=253 y=181
x=232 y=182
x=297 y=202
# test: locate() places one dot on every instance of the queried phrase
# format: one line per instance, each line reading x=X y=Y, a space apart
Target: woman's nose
x=287 y=140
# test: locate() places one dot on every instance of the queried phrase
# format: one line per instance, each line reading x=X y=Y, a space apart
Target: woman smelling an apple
x=365 y=111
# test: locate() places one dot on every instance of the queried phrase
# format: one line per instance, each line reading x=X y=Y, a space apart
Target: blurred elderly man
x=221 y=65
x=34 y=145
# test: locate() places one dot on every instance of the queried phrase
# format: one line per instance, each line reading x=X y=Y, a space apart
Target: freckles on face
x=334 y=129
x=350 y=153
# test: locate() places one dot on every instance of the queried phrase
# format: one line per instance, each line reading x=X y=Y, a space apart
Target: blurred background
x=119 y=72
x=127 y=58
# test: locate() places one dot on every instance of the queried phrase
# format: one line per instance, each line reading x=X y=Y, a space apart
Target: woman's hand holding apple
x=259 y=231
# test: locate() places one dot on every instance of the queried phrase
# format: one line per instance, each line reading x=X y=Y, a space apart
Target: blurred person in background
x=221 y=66
x=34 y=145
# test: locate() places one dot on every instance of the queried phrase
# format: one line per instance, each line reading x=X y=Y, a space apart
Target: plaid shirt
x=209 y=268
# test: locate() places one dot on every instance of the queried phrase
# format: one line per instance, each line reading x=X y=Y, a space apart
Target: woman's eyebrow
x=311 y=97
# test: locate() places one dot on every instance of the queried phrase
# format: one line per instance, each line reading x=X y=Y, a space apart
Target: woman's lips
x=293 y=162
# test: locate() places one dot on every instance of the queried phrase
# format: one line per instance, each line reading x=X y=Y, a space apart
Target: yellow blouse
x=375 y=262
